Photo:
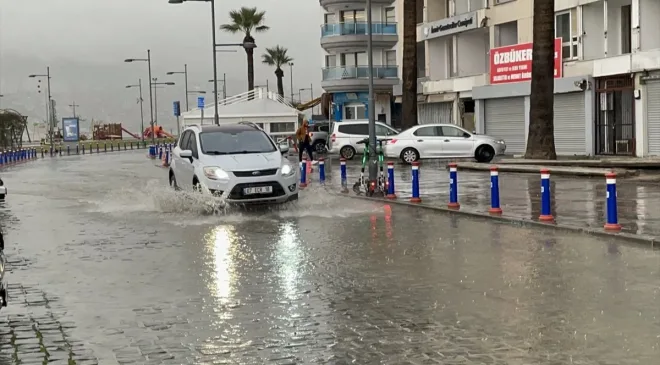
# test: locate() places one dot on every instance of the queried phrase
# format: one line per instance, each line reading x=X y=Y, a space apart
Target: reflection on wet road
x=109 y=266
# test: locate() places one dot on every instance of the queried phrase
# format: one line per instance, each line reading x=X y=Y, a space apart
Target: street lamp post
x=151 y=102
x=154 y=85
x=185 y=75
x=373 y=159
x=73 y=106
x=48 y=113
x=139 y=86
x=291 y=74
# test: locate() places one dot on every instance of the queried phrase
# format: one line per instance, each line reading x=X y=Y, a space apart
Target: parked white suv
x=346 y=135
x=237 y=161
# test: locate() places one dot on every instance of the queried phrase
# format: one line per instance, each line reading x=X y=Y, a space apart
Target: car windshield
x=229 y=143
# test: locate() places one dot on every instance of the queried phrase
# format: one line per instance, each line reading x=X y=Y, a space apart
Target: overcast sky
x=85 y=42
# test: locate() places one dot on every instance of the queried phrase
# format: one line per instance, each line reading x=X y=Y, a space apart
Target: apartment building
x=345 y=73
x=475 y=67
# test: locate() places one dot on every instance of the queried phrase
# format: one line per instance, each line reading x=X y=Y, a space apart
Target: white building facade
x=345 y=62
x=476 y=72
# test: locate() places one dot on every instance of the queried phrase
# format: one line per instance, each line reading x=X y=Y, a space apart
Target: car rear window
x=355 y=129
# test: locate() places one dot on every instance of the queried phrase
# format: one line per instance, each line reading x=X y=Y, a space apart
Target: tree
x=247 y=20
x=277 y=57
x=409 y=97
x=541 y=138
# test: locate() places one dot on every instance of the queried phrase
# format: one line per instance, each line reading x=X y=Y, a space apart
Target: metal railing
x=357 y=28
x=359 y=72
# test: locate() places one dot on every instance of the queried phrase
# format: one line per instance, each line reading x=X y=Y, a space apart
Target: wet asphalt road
x=109 y=266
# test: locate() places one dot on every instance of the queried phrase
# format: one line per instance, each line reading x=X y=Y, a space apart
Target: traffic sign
x=177 y=108
x=200 y=102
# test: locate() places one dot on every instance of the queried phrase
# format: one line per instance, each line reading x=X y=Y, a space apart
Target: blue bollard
x=494 y=191
x=160 y=153
x=77 y=149
x=2 y=159
x=68 y=150
x=342 y=170
x=391 y=192
x=303 y=173
x=83 y=149
x=546 y=214
x=322 y=170
x=612 y=215
x=166 y=162
x=453 y=187
x=415 y=183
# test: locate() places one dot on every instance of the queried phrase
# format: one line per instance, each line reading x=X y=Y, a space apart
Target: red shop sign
x=514 y=63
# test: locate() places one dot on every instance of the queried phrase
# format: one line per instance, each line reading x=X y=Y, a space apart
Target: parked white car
x=3 y=190
x=237 y=161
x=346 y=135
x=442 y=141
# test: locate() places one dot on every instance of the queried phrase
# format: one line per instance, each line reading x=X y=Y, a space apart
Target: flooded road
x=109 y=266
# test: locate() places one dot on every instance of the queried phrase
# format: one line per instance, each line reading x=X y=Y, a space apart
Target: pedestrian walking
x=304 y=142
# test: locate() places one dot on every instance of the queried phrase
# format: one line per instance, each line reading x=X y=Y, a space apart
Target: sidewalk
x=577 y=202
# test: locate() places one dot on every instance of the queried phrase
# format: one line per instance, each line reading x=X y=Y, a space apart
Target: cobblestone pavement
x=108 y=266
x=577 y=201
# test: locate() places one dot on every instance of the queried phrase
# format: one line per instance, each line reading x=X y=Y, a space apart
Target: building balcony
x=337 y=4
x=355 y=35
x=356 y=78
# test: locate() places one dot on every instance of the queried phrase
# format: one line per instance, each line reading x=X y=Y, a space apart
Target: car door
x=184 y=164
x=193 y=145
x=427 y=141
x=456 y=142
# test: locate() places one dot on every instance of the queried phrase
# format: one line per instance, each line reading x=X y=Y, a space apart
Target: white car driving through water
x=442 y=141
x=237 y=161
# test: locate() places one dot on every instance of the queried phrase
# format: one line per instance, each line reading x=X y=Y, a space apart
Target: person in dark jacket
x=304 y=142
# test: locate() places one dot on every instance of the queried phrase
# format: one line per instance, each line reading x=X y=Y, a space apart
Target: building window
x=353 y=112
x=390 y=16
x=390 y=58
x=330 y=18
x=566 y=29
x=282 y=127
x=354 y=59
x=506 y=34
x=352 y=16
x=331 y=61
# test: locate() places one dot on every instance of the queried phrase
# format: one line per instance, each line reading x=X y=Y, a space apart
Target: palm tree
x=247 y=20
x=409 y=98
x=541 y=138
x=277 y=57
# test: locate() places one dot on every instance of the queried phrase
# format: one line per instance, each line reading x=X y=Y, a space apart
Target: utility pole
x=73 y=106
x=373 y=159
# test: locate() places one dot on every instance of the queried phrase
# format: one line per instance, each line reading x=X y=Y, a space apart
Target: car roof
x=227 y=128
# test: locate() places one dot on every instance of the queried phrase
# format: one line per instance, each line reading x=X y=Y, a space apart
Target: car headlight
x=287 y=170
x=501 y=141
x=215 y=173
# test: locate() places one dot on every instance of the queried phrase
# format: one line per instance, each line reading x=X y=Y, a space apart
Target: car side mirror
x=474 y=132
x=466 y=135
x=185 y=154
x=284 y=148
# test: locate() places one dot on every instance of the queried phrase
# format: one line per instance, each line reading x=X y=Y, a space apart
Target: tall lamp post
x=151 y=99
x=49 y=97
x=74 y=106
x=373 y=159
x=140 y=100
x=291 y=74
x=154 y=85
x=185 y=75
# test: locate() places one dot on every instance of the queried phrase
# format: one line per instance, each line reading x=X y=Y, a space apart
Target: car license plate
x=258 y=190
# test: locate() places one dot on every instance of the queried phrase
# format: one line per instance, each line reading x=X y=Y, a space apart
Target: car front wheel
x=347 y=152
x=484 y=154
x=409 y=155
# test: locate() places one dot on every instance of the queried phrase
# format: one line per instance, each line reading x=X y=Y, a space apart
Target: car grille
x=237 y=192
x=267 y=172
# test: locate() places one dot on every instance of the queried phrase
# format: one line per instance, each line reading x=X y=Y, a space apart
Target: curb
x=557 y=170
x=640 y=239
